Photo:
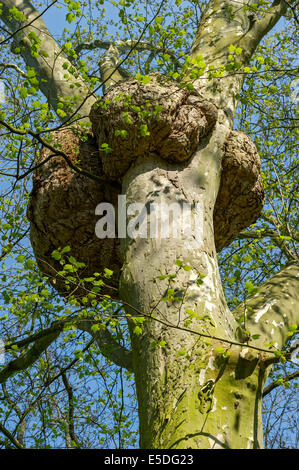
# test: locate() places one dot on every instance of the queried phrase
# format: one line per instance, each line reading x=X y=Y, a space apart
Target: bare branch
x=278 y=239
x=124 y=46
x=21 y=426
x=27 y=359
x=70 y=421
x=55 y=151
x=263 y=234
x=285 y=379
x=12 y=439
x=109 y=347
x=293 y=8
x=118 y=354
x=273 y=309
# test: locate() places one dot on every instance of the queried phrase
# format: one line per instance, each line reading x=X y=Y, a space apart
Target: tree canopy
x=67 y=380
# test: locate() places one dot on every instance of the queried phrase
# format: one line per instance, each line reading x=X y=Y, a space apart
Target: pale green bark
x=55 y=81
x=225 y=23
x=188 y=397
x=273 y=309
x=108 y=65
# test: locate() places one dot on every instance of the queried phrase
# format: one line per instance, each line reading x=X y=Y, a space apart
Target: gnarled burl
x=160 y=120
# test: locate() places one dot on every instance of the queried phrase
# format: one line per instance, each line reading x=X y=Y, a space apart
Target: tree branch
x=278 y=239
x=124 y=46
x=27 y=359
x=273 y=309
x=55 y=151
x=262 y=26
x=12 y=439
x=112 y=350
x=21 y=426
x=264 y=233
x=15 y=67
x=110 y=74
x=225 y=23
x=293 y=8
x=118 y=354
x=274 y=385
x=70 y=422
x=49 y=60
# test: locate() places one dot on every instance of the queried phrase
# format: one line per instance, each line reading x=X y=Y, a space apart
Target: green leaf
x=61 y=113
x=108 y=272
x=187 y=267
x=220 y=350
x=182 y=352
x=70 y=17
x=159 y=19
x=190 y=86
x=17 y=14
x=23 y=92
x=137 y=330
x=189 y=311
x=255 y=336
x=143 y=130
x=56 y=255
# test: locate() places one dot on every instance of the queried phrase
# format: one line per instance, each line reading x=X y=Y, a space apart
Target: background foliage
x=72 y=396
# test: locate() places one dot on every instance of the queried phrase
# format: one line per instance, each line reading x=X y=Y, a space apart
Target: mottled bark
x=273 y=309
x=53 y=69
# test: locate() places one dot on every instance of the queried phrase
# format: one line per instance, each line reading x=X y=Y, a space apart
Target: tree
x=165 y=140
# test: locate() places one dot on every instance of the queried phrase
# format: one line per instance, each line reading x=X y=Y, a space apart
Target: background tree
x=200 y=359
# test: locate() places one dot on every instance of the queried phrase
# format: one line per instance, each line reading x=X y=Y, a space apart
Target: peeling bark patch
x=243 y=352
x=202 y=376
x=211 y=363
x=241 y=194
x=158 y=117
x=250 y=443
x=264 y=310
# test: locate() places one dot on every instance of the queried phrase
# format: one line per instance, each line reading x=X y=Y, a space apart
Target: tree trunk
x=190 y=395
